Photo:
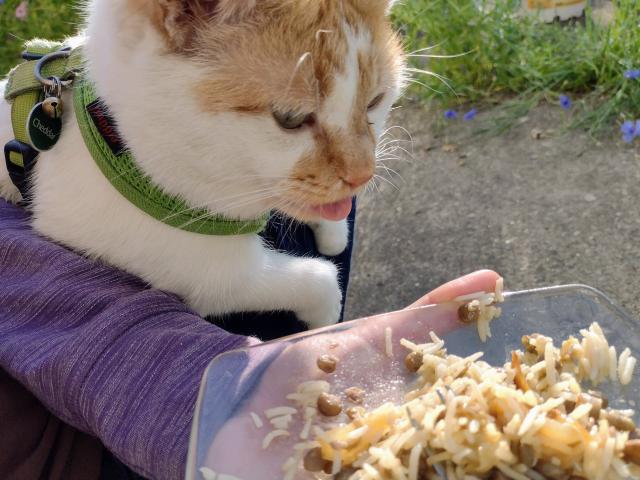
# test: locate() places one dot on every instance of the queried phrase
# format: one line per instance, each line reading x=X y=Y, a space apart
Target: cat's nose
x=355 y=181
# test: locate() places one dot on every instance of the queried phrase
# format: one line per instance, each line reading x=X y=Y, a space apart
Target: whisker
x=391 y=171
x=425 y=49
x=418 y=82
x=431 y=74
x=441 y=56
x=386 y=180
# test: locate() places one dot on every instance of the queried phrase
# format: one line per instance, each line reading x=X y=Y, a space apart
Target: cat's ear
x=179 y=20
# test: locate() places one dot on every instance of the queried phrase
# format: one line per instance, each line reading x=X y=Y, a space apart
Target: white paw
x=322 y=298
x=8 y=191
x=331 y=237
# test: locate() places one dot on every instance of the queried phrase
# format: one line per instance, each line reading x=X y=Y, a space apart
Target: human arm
x=101 y=350
x=107 y=354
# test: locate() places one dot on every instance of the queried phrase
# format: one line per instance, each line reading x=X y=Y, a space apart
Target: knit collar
x=118 y=165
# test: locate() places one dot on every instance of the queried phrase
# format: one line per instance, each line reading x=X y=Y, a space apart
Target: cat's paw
x=8 y=191
x=322 y=298
x=331 y=237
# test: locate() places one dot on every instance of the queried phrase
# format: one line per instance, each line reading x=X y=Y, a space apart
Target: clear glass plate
x=234 y=381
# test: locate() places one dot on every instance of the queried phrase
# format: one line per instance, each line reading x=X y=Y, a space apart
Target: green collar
x=117 y=164
x=109 y=151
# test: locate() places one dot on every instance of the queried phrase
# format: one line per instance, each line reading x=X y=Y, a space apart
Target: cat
x=238 y=106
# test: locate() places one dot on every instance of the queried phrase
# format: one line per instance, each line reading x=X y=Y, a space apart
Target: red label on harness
x=106 y=126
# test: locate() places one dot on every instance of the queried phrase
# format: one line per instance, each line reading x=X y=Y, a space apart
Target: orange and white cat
x=239 y=106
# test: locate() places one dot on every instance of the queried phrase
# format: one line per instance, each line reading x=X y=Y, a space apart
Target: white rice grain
x=273 y=435
x=208 y=474
x=550 y=363
x=510 y=472
x=388 y=346
x=304 y=433
x=278 y=411
x=613 y=364
x=581 y=411
x=499 y=290
x=282 y=422
x=256 y=419
x=337 y=462
x=622 y=362
x=627 y=374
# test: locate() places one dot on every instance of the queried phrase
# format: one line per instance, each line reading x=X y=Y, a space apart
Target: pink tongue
x=334 y=211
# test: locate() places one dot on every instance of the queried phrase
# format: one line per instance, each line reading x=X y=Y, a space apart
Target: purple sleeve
x=101 y=350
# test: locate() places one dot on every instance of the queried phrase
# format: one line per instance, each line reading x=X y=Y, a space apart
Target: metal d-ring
x=49 y=82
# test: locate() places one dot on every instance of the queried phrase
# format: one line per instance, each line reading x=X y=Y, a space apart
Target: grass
x=503 y=54
x=497 y=55
x=51 y=19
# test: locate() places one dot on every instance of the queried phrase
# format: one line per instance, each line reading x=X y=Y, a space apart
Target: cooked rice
x=472 y=420
x=257 y=421
x=388 y=346
x=483 y=306
x=278 y=411
x=273 y=435
x=208 y=474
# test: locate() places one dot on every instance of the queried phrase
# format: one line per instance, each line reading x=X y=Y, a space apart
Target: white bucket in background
x=549 y=10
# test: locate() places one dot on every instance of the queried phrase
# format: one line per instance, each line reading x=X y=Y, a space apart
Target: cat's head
x=248 y=105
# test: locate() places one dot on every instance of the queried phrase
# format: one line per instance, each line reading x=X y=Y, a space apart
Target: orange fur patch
x=285 y=55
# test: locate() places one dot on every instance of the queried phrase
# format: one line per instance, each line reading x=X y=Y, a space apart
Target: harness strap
x=103 y=141
x=23 y=91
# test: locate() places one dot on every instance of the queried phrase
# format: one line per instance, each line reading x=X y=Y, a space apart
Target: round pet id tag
x=43 y=130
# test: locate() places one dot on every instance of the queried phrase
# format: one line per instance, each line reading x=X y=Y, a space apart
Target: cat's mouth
x=333 y=211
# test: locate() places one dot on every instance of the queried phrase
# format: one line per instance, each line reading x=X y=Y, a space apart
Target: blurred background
x=515 y=147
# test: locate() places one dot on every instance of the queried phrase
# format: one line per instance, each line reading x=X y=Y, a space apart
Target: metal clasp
x=51 y=83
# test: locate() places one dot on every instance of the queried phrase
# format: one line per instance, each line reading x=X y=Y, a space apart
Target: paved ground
x=562 y=209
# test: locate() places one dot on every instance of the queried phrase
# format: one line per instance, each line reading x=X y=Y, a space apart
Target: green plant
x=484 y=50
x=51 y=19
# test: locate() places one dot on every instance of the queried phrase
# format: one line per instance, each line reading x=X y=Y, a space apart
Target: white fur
x=217 y=161
x=338 y=107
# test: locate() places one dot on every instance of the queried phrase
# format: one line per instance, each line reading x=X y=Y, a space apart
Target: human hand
x=360 y=347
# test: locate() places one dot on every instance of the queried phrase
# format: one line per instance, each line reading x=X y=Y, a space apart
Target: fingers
x=482 y=280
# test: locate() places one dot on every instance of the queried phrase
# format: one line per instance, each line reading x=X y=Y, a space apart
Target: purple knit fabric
x=101 y=350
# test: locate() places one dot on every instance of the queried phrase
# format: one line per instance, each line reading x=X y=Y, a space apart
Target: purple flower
x=632 y=74
x=22 y=10
x=450 y=114
x=565 y=102
x=637 y=130
x=628 y=129
x=470 y=115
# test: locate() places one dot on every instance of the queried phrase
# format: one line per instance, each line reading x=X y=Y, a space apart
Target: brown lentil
x=354 y=412
x=619 y=421
x=497 y=475
x=527 y=454
x=603 y=399
x=569 y=406
x=632 y=451
x=327 y=363
x=329 y=405
x=313 y=461
x=468 y=314
x=596 y=403
x=354 y=394
x=413 y=361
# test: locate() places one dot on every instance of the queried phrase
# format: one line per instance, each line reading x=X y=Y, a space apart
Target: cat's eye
x=375 y=102
x=293 y=120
